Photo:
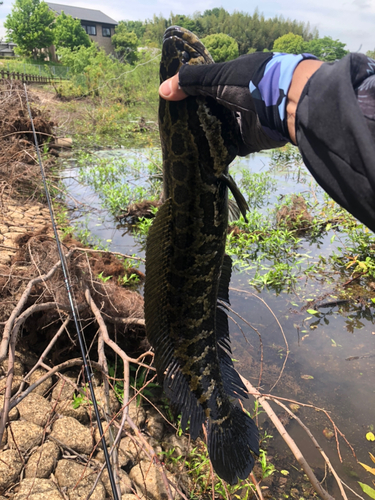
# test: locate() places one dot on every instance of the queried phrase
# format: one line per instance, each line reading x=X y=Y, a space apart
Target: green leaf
x=312 y=311
x=333 y=238
x=368 y=490
x=284 y=472
x=373 y=300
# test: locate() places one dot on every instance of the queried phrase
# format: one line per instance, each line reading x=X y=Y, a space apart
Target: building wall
x=102 y=41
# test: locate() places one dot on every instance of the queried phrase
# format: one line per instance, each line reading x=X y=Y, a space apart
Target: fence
x=15 y=75
x=36 y=69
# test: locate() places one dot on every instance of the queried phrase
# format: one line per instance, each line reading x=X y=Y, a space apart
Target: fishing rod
x=69 y=290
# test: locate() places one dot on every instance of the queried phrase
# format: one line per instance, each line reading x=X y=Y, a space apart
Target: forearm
x=301 y=75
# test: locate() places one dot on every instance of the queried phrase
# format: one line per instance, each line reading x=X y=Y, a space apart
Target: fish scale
x=187 y=270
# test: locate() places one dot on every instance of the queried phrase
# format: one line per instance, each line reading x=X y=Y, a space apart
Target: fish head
x=181 y=46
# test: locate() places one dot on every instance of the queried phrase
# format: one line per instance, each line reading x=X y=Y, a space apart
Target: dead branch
x=289 y=441
x=16 y=311
x=99 y=318
x=316 y=444
x=49 y=347
x=89 y=250
x=279 y=325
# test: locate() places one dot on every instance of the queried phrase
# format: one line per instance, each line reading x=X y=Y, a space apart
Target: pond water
x=329 y=364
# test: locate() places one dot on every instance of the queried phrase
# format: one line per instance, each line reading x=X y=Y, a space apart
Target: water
x=317 y=371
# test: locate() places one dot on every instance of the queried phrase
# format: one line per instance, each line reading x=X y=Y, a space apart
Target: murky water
x=329 y=364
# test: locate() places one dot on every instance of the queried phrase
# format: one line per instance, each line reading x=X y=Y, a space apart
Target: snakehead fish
x=187 y=270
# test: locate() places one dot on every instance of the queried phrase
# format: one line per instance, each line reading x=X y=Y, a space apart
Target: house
x=97 y=25
x=7 y=49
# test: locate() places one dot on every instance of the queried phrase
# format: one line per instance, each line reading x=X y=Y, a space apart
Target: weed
x=138 y=379
x=81 y=398
x=129 y=281
x=102 y=278
x=367 y=489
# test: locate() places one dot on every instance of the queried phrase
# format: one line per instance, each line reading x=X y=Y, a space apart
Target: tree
x=222 y=47
x=326 y=48
x=371 y=53
x=125 y=43
x=29 y=25
x=69 y=33
x=136 y=26
x=290 y=44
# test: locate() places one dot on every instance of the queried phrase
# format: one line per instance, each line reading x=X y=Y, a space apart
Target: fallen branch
x=289 y=441
x=21 y=303
x=316 y=444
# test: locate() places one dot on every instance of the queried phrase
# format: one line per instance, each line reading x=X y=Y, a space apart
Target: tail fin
x=230 y=444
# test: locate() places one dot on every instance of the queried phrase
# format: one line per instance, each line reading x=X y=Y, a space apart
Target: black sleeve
x=336 y=141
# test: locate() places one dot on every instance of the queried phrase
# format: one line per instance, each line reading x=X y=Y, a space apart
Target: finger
x=171 y=91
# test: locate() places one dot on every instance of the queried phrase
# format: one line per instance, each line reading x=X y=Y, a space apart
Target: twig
x=89 y=250
x=289 y=441
x=103 y=362
x=9 y=324
x=49 y=347
x=281 y=329
x=108 y=340
x=257 y=487
x=67 y=364
x=8 y=388
x=316 y=444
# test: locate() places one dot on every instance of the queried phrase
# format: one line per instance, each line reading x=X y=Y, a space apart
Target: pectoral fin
x=238 y=196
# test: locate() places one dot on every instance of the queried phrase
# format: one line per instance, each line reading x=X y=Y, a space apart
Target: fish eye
x=185 y=57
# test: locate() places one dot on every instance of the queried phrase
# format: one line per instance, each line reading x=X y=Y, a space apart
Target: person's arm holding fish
x=327 y=109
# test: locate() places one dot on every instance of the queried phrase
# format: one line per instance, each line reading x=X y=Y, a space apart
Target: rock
x=63 y=389
x=155 y=444
x=23 y=353
x=13 y=414
x=10 y=468
x=127 y=496
x=137 y=414
x=98 y=437
x=180 y=444
x=35 y=408
x=125 y=483
x=114 y=404
x=123 y=459
x=16 y=382
x=43 y=461
x=70 y=432
x=133 y=452
x=18 y=369
x=155 y=425
x=66 y=409
x=25 y=435
x=4 y=439
x=69 y=473
x=148 y=479
x=44 y=386
x=38 y=489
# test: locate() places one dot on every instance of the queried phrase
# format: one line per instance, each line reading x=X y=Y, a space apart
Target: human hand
x=171 y=90
x=228 y=84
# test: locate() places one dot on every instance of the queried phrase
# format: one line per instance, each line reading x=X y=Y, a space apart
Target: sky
x=350 y=21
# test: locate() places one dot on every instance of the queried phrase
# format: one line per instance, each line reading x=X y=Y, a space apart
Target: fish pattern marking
x=187 y=270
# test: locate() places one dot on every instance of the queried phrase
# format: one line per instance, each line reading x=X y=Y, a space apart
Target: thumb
x=171 y=91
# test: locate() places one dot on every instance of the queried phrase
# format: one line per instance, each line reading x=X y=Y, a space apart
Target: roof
x=95 y=16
